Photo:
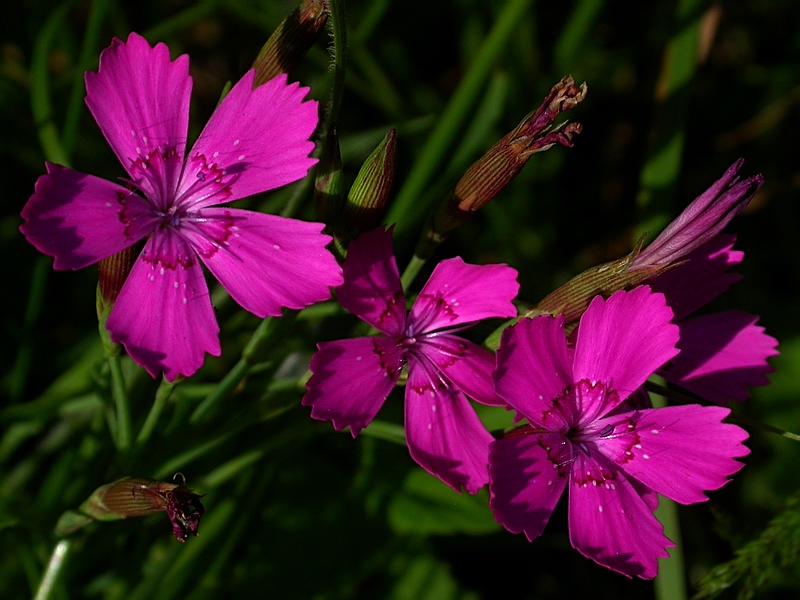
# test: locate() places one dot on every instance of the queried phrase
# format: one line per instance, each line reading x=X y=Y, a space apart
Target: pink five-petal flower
x=256 y=140
x=612 y=463
x=721 y=354
x=352 y=378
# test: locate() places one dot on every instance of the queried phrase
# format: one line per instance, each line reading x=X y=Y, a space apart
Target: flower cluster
x=589 y=427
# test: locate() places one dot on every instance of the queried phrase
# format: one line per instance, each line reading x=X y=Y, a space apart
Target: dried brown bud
x=139 y=497
x=495 y=169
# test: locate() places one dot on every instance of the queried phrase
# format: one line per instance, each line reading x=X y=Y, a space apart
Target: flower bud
x=368 y=196
x=703 y=219
x=289 y=43
x=495 y=169
x=139 y=497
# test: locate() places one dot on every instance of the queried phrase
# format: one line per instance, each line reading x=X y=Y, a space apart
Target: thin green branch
x=163 y=394
x=407 y=209
x=54 y=567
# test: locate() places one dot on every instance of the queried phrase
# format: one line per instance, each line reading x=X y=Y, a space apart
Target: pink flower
x=614 y=464
x=721 y=354
x=352 y=378
x=256 y=140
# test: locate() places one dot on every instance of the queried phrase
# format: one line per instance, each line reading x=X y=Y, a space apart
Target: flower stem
x=221 y=391
x=269 y=330
x=338 y=23
x=163 y=393
x=670 y=583
x=414 y=265
x=120 y=396
x=54 y=566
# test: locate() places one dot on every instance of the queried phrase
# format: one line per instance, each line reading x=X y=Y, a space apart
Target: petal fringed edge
x=79 y=219
x=163 y=315
x=721 y=355
x=623 y=340
x=533 y=369
x=443 y=433
x=679 y=451
x=468 y=366
x=371 y=288
x=258 y=138
x=459 y=293
x=140 y=100
x=265 y=262
x=524 y=486
x=610 y=523
x=351 y=380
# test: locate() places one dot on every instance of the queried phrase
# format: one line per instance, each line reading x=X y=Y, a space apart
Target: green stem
x=41 y=104
x=223 y=389
x=120 y=396
x=414 y=265
x=338 y=23
x=86 y=60
x=54 y=566
x=163 y=394
x=670 y=583
x=22 y=364
x=407 y=209
x=267 y=332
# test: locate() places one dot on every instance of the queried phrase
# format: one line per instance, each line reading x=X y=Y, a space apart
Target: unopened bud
x=495 y=169
x=289 y=43
x=701 y=221
x=139 y=497
x=368 y=196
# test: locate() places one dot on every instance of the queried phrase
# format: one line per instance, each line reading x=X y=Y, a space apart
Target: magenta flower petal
x=533 y=369
x=458 y=293
x=610 y=334
x=466 y=365
x=351 y=380
x=371 y=288
x=140 y=100
x=163 y=315
x=443 y=433
x=610 y=523
x=525 y=482
x=721 y=355
x=700 y=279
x=67 y=210
x=660 y=448
x=256 y=257
x=256 y=140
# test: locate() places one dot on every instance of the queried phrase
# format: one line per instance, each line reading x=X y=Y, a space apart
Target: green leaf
x=429 y=507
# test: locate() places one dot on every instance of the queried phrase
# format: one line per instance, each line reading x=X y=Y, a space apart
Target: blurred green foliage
x=677 y=92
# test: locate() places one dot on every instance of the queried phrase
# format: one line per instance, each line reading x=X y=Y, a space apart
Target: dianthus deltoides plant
x=613 y=390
